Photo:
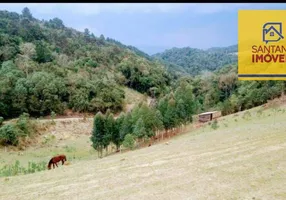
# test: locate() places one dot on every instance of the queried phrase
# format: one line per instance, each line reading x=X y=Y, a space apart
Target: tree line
x=144 y=122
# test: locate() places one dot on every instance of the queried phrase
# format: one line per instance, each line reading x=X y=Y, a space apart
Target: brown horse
x=56 y=159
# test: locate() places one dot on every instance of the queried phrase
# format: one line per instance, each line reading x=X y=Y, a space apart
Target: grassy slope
x=132 y=97
x=242 y=159
x=71 y=138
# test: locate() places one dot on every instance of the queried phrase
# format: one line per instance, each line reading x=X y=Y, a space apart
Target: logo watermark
x=261 y=45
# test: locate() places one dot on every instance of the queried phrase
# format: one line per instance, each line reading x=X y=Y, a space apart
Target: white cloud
x=97 y=8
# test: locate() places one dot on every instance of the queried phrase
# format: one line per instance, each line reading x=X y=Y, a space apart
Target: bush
x=24 y=124
x=129 y=141
x=17 y=169
x=214 y=124
x=53 y=116
x=1 y=120
x=9 y=134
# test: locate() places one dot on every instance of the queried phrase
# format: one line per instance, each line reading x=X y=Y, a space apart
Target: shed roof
x=206 y=113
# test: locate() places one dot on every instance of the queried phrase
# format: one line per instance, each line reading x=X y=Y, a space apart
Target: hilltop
x=194 y=61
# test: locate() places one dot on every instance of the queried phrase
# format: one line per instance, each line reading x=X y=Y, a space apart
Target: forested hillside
x=45 y=67
x=194 y=61
x=137 y=51
x=222 y=90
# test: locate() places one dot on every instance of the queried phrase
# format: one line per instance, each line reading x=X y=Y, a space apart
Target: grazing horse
x=56 y=159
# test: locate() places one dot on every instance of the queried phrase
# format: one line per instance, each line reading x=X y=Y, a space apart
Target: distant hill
x=226 y=50
x=132 y=48
x=194 y=61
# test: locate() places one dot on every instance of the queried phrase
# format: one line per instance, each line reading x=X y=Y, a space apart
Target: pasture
x=243 y=157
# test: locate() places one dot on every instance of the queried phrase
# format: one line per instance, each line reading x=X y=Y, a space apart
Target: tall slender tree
x=98 y=133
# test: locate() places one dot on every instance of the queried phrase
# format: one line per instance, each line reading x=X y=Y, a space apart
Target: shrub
x=214 y=124
x=9 y=134
x=23 y=124
x=53 y=116
x=17 y=169
x=1 y=120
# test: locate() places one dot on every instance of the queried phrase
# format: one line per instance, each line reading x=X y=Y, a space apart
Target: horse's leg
x=63 y=161
x=56 y=164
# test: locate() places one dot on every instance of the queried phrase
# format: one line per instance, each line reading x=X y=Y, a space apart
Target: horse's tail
x=50 y=163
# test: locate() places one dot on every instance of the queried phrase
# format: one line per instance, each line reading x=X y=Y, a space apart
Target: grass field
x=244 y=158
x=71 y=137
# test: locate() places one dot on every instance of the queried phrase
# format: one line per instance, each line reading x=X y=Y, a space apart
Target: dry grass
x=244 y=160
x=133 y=98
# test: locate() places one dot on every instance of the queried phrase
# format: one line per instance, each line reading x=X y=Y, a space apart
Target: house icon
x=272 y=32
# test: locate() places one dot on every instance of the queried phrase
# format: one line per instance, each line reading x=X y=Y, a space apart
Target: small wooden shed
x=208 y=116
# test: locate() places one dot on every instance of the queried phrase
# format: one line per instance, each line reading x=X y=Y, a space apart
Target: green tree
x=109 y=128
x=116 y=136
x=129 y=141
x=27 y=14
x=139 y=129
x=183 y=115
x=126 y=126
x=98 y=133
x=43 y=54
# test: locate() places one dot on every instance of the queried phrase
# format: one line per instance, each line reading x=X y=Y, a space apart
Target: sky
x=151 y=27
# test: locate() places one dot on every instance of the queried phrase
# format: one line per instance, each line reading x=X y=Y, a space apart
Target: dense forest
x=194 y=61
x=48 y=68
